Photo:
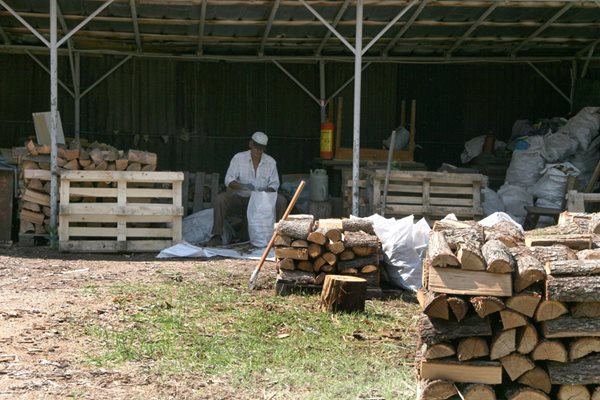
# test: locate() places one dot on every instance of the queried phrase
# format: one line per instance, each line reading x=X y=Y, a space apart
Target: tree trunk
x=574 y=289
x=439 y=252
x=357 y=225
x=343 y=294
x=436 y=330
x=537 y=378
x=584 y=371
x=497 y=257
x=472 y=347
x=295 y=228
x=552 y=350
x=352 y=239
x=433 y=304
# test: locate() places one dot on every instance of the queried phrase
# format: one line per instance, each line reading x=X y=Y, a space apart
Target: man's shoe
x=215 y=241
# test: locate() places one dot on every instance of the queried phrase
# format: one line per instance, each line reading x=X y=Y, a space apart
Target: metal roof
x=418 y=30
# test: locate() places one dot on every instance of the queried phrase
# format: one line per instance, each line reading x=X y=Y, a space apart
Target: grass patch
x=254 y=339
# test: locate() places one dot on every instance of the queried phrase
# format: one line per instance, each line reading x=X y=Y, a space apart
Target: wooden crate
x=428 y=194
x=199 y=191
x=129 y=211
x=582 y=202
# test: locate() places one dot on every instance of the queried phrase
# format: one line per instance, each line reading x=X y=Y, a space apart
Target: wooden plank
x=437 y=211
x=198 y=204
x=101 y=246
x=465 y=282
x=415 y=176
x=128 y=233
x=345 y=153
x=214 y=189
x=111 y=209
x=489 y=372
x=130 y=176
x=115 y=218
x=577 y=242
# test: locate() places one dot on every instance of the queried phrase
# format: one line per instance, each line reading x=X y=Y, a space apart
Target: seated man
x=249 y=170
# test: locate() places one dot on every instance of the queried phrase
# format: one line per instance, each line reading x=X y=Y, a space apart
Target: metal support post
x=53 y=128
x=323 y=102
x=357 y=96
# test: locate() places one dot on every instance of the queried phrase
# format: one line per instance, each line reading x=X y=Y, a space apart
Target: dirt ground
x=45 y=294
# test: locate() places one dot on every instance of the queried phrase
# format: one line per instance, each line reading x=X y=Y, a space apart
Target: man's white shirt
x=241 y=170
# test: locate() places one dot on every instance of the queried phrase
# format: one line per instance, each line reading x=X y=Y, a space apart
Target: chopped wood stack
x=34 y=175
x=502 y=320
x=308 y=250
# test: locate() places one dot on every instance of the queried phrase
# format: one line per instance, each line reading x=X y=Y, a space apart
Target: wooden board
x=120 y=216
x=345 y=153
x=464 y=282
x=488 y=372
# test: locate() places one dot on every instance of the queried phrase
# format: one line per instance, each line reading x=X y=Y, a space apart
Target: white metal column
x=53 y=119
x=357 y=97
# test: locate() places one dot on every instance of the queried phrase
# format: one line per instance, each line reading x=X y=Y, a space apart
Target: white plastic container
x=319 y=185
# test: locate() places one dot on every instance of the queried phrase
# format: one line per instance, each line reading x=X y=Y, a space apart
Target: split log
x=486 y=305
x=478 y=391
x=335 y=247
x=573 y=392
x=291 y=252
x=148 y=167
x=529 y=270
x=497 y=257
x=579 y=218
x=30 y=216
x=348 y=271
x=439 y=252
x=596 y=394
x=573 y=267
x=567 y=326
x=353 y=239
x=433 y=304
x=347 y=255
x=320 y=278
x=537 y=378
x=584 y=371
x=295 y=228
x=75 y=164
x=506 y=232
x=282 y=240
x=328 y=268
x=305 y=266
x=546 y=253
x=470 y=256
x=314 y=250
x=472 y=347
x=27 y=205
x=438 y=350
x=120 y=164
x=36 y=197
x=583 y=346
x=437 y=330
x=527 y=338
x=357 y=225
x=459 y=307
x=589 y=310
x=299 y=243
x=325 y=224
x=372 y=278
x=359 y=262
x=286 y=263
x=318 y=263
x=574 y=289
x=296 y=276
x=588 y=254
x=343 y=294
x=142 y=157
x=512 y=319
x=503 y=343
x=516 y=364
x=524 y=393
x=330 y=258
x=363 y=251
x=457 y=233
x=132 y=166
x=317 y=237
x=367 y=269
x=550 y=309
x=437 y=389
x=552 y=350
x=574 y=241
x=463 y=282
x=525 y=302
x=488 y=372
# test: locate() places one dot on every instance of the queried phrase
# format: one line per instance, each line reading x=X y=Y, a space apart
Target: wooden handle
x=287 y=212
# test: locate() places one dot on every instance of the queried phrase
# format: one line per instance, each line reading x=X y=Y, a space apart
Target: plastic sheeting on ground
x=189 y=250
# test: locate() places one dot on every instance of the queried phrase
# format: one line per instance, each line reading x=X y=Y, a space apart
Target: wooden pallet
x=121 y=211
x=428 y=194
x=582 y=202
x=199 y=191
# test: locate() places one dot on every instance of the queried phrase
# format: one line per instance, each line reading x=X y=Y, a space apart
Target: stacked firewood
x=308 y=250
x=34 y=174
x=505 y=320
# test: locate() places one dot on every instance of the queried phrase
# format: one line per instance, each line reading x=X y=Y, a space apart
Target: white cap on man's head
x=260 y=139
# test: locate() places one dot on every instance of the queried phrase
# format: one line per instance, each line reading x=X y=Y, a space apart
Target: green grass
x=253 y=338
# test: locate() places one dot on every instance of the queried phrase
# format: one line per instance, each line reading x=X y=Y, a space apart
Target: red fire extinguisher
x=327 y=140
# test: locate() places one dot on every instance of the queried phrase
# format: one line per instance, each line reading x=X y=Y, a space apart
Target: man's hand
x=247 y=186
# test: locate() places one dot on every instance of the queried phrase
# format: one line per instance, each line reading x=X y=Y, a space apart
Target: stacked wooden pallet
x=34 y=175
x=504 y=320
x=308 y=250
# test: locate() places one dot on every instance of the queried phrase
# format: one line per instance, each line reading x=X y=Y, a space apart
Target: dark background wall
x=196 y=115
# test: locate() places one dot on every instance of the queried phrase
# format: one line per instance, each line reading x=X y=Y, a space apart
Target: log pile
x=34 y=175
x=307 y=250
x=508 y=321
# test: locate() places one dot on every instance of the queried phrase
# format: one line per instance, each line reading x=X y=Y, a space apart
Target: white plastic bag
x=492 y=202
x=558 y=146
x=515 y=198
x=525 y=168
x=197 y=227
x=551 y=186
x=261 y=217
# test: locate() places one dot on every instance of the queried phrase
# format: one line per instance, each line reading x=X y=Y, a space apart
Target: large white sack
x=525 y=168
x=261 y=217
x=583 y=127
x=515 y=198
x=197 y=228
x=492 y=202
x=404 y=244
x=586 y=161
x=551 y=186
x=558 y=146
x=474 y=147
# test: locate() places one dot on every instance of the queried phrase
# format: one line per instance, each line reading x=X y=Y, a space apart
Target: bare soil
x=45 y=300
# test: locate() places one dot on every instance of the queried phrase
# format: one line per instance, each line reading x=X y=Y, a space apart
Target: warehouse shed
x=191 y=80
